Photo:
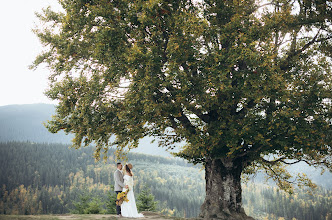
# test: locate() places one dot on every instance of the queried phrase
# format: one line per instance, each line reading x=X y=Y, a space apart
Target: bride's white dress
x=129 y=209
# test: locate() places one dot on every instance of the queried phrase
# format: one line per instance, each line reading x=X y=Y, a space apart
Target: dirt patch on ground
x=147 y=215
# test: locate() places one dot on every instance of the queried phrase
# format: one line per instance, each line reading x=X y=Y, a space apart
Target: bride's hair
x=128 y=170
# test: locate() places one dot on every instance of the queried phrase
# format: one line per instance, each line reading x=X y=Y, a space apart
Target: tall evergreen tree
x=246 y=84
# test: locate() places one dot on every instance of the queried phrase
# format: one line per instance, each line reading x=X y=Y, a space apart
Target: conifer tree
x=82 y=205
x=110 y=204
x=145 y=200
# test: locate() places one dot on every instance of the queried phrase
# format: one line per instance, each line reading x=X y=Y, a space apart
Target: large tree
x=245 y=84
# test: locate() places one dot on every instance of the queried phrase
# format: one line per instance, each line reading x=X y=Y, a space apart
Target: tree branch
x=204 y=117
x=245 y=109
x=282 y=160
x=186 y=123
x=172 y=120
x=285 y=66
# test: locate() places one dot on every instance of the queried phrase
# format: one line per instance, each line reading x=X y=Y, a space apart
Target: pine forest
x=55 y=179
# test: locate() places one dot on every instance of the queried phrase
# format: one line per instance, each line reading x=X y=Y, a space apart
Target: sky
x=18 y=48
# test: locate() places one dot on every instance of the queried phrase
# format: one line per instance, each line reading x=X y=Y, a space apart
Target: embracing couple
x=123 y=182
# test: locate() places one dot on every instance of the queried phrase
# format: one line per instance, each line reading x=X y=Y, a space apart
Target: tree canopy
x=233 y=79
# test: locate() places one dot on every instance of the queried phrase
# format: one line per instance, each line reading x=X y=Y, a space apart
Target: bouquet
x=122 y=197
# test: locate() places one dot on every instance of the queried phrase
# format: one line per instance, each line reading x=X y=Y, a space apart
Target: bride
x=129 y=209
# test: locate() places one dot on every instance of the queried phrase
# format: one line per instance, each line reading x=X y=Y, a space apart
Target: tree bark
x=223 y=190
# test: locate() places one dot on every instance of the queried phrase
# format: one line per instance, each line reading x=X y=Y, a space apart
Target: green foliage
x=110 y=203
x=87 y=205
x=235 y=80
x=95 y=207
x=82 y=205
x=145 y=200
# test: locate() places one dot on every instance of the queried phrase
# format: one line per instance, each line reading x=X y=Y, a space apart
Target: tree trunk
x=223 y=190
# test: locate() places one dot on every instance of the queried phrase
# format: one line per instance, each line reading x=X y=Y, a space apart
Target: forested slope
x=49 y=178
x=25 y=123
x=58 y=176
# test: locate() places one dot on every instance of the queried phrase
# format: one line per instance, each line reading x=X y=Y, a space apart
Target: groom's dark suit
x=118 y=186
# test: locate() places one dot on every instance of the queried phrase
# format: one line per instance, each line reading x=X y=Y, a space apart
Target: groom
x=119 y=184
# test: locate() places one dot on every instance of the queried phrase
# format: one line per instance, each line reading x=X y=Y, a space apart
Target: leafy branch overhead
x=247 y=80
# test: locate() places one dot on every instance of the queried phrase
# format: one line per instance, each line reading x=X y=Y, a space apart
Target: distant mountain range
x=25 y=123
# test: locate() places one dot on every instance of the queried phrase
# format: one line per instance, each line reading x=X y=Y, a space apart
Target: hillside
x=40 y=174
x=57 y=177
x=25 y=123
x=50 y=178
